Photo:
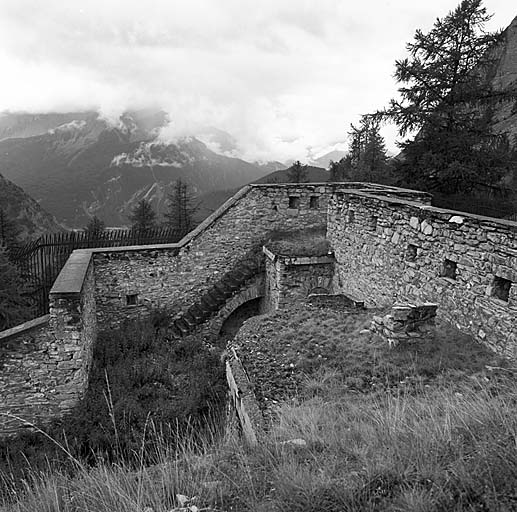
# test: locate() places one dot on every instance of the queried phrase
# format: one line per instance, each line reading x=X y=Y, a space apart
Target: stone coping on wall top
x=25 y=327
x=298 y=260
x=455 y=216
x=71 y=278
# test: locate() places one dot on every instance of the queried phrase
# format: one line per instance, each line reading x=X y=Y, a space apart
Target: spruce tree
x=181 y=208
x=142 y=216
x=341 y=170
x=15 y=304
x=8 y=230
x=297 y=173
x=367 y=152
x=95 y=228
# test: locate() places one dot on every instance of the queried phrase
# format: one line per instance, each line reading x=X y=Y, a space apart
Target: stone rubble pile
x=406 y=323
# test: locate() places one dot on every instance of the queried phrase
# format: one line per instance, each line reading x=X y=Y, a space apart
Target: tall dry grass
x=445 y=450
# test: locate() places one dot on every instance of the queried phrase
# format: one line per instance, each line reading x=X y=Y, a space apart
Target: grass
x=137 y=381
x=307 y=243
x=421 y=428
x=294 y=351
x=440 y=451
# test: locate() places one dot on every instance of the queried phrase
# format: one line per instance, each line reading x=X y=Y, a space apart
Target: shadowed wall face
x=466 y=264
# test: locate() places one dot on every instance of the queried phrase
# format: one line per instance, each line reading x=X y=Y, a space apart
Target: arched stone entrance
x=237 y=317
x=247 y=303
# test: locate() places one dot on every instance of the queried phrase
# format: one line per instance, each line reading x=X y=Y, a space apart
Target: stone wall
x=44 y=366
x=388 y=250
x=174 y=277
x=289 y=280
x=44 y=363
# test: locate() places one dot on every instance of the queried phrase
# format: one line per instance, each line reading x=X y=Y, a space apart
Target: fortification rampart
x=389 y=250
x=45 y=367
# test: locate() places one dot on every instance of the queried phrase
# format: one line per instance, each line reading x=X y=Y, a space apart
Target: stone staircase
x=216 y=297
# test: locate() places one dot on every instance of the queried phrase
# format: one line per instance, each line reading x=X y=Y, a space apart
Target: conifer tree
x=181 y=208
x=142 y=216
x=447 y=97
x=367 y=152
x=15 y=305
x=297 y=173
x=341 y=170
x=8 y=230
x=95 y=227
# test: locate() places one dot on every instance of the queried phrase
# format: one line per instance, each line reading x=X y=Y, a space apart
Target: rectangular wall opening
x=314 y=202
x=411 y=252
x=294 y=202
x=132 y=299
x=501 y=288
x=449 y=269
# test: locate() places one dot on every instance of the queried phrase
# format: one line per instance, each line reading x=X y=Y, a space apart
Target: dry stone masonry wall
x=44 y=365
x=290 y=280
x=388 y=250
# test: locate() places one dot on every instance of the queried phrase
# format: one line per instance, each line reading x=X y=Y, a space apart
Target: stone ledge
x=25 y=327
x=441 y=212
x=71 y=278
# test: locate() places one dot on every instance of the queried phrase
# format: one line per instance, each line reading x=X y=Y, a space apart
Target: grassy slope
x=424 y=428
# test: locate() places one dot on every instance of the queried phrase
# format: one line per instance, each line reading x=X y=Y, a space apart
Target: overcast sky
x=285 y=77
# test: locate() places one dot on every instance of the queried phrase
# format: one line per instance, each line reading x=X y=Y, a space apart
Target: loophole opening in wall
x=314 y=202
x=294 y=202
x=449 y=269
x=411 y=252
x=501 y=288
x=351 y=216
x=373 y=223
x=131 y=299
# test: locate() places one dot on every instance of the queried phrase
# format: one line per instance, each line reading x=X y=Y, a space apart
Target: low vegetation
x=303 y=243
x=429 y=427
x=141 y=389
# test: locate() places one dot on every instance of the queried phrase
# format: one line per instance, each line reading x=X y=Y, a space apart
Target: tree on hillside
x=446 y=96
x=95 y=227
x=297 y=173
x=8 y=230
x=341 y=170
x=142 y=216
x=181 y=208
x=367 y=152
x=15 y=305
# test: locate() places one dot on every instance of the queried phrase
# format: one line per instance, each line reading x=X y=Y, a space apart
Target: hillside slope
x=25 y=212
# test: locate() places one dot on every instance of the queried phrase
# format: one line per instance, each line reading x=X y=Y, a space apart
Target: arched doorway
x=238 y=316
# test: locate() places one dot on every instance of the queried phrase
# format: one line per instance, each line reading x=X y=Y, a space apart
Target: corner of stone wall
x=73 y=325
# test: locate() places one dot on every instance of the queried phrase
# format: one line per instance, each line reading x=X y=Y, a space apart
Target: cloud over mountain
x=284 y=78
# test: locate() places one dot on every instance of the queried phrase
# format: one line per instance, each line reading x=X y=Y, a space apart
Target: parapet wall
x=44 y=363
x=389 y=250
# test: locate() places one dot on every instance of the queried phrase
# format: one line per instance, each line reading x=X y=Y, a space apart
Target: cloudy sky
x=285 y=77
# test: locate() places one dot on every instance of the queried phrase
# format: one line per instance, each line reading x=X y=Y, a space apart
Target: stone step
x=183 y=326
